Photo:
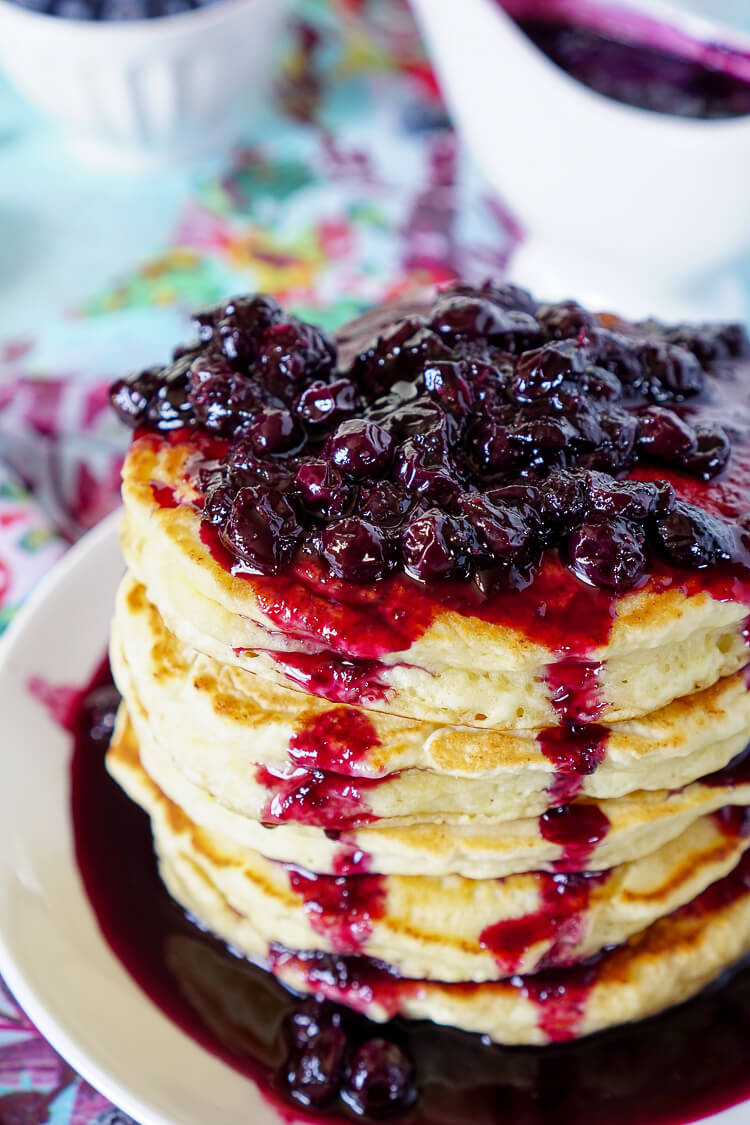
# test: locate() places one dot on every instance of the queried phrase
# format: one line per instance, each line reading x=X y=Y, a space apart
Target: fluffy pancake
x=624 y=829
x=453 y=667
x=224 y=723
x=448 y=929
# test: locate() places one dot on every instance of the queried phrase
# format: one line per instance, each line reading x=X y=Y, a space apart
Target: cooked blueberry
x=466 y=316
x=689 y=537
x=601 y=384
x=274 y=430
x=359 y=448
x=306 y=1022
x=501 y=527
x=664 y=437
x=223 y=399
x=169 y=408
x=620 y=430
x=293 y=353
x=711 y=342
x=538 y=372
x=492 y=447
x=567 y=496
x=565 y=320
x=673 y=370
x=321 y=406
x=711 y=454
x=323 y=489
x=384 y=503
x=503 y=294
x=262 y=529
x=241 y=322
x=312 y=1074
x=247 y=467
x=609 y=553
x=446 y=381
x=622 y=356
x=426 y=472
x=434 y=545
x=629 y=499
x=356 y=550
x=381 y=1080
x=98 y=713
x=130 y=396
x=218 y=503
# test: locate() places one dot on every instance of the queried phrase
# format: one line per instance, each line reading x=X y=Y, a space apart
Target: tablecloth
x=347 y=188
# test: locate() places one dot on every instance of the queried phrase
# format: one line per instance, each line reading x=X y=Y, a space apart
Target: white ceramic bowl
x=144 y=91
x=622 y=205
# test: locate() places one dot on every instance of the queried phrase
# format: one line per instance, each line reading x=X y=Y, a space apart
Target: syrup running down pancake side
x=687 y=1063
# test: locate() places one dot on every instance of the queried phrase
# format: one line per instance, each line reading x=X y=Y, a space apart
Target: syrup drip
x=559 y=920
x=577 y=829
x=339 y=680
x=164 y=495
x=560 y=995
x=684 y=1064
x=339 y=740
x=576 y=752
x=314 y=797
x=342 y=908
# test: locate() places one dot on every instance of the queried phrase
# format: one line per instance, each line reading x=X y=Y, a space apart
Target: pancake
x=661 y=966
x=596 y=835
x=447 y=929
x=460 y=669
x=239 y=737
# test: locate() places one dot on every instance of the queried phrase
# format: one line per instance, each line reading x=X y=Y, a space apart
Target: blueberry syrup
x=342 y=908
x=164 y=495
x=576 y=750
x=339 y=740
x=564 y=899
x=674 y=1068
x=641 y=75
x=327 y=800
x=577 y=828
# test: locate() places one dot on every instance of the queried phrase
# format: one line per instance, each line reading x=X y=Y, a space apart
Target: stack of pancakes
x=436 y=828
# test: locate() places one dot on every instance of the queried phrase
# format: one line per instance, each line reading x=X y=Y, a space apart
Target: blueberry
x=356 y=550
x=426 y=472
x=689 y=537
x=664 y=437
x=567 y=496
x=630 y=499
x=565 y=320
x=384 y=503
x=130 y=396
x=609 y=553
x=504 y=294
x=434 y=546
x=711 y=342
x=274 y=430
x=323 y=489
x=98 y=713
x=479 y=318
x=617 y=447
x=492 y=447
x=359 y=448
x=602 y=385
x=711 y=455
x=241 y=460
x=305 y=1023
x=321 y=406
x=262 y=530
x=241 y=322
x=222 y=398
x=218 y=501
x=381 y=1080
x=169 y=408
x=501 y=527
x=312 y=1074
x=293 y=353
x=672 y=371
x=446 y=382
x=537 y=373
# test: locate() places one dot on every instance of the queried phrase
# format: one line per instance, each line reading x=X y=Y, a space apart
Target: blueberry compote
x=641 y=75
x=523 y=462
x=316 y=1060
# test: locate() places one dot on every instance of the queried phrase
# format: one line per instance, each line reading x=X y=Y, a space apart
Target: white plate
x=52 y=954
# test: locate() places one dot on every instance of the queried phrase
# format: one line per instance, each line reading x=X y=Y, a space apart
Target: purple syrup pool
x=672 y=1069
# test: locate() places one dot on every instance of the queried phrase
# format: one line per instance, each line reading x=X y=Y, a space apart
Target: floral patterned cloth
x=346 y=190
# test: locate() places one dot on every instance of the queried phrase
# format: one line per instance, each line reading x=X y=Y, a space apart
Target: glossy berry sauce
x=671 y=1069
x=648 y=77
